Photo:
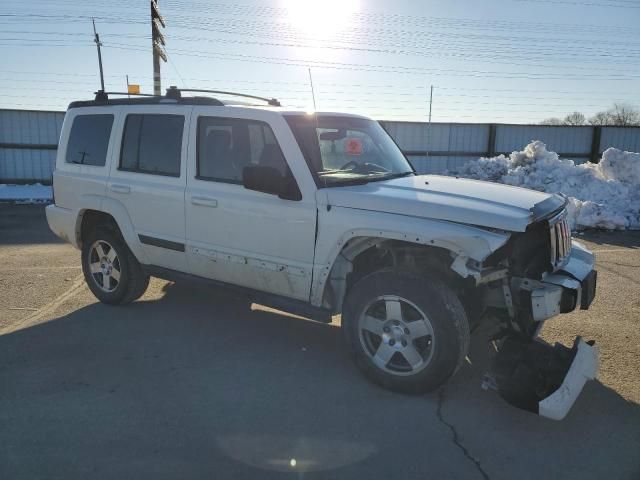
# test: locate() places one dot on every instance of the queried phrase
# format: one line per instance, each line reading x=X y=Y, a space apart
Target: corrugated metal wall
x=28 y=141
x=623 y=138
x=447 y=146
x=567 y=141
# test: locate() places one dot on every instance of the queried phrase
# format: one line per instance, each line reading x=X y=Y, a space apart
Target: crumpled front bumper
x=573 y=286
x=542 y=378
x=583 y=367
x=536 y=376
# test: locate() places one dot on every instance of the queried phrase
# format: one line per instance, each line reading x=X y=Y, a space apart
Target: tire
x=384 y=346
x=105 y=254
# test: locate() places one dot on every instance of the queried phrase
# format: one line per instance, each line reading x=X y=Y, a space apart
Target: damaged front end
x=547 y=274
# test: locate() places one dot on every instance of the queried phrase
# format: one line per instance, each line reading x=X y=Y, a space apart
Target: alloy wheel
x=396 y=334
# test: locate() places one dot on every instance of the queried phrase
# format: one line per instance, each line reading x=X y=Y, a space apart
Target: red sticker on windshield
x=353 y=146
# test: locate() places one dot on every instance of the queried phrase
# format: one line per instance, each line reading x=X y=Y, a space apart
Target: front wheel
x=407 y=333
x=111 y=271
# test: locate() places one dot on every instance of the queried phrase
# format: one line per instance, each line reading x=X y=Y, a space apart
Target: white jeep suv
x=321 y=214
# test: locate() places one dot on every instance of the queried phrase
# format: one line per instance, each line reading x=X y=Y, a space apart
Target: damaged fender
x=340 y=228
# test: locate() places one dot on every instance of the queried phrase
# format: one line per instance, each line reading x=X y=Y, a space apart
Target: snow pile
x=603 y=195
x=36 y=193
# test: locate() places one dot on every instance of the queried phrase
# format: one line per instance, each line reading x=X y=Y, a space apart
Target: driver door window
x=227 y=145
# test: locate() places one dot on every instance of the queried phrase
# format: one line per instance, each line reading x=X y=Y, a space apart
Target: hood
x=452 y=199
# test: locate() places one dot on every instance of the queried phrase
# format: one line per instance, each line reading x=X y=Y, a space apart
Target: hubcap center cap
x=395 y=334
x=105 y=265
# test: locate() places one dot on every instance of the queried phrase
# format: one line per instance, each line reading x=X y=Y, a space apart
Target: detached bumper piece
x=541 y=378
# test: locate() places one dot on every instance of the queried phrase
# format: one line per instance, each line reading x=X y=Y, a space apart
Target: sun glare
x=320 y=19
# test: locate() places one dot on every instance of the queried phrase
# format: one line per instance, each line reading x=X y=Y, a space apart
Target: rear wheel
x=111 y=271
x=407 y=333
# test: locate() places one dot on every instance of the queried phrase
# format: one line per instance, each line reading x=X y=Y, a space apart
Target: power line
x=585 y=4
x=387 y=68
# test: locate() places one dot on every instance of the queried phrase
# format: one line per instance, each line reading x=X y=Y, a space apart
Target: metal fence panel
x=439 y=137
x=22 y=164
x=624 y=138
x=30 y=127
x=571 y=140
x=408 y=136
x=468 y=138
x=438 y=164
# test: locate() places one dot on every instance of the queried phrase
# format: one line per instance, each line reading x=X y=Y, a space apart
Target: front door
x=240 y=236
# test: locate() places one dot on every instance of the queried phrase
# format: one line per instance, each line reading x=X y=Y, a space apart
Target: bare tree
x=623 y=114
x=552 y=121
x=575 y=118
x=600 y=118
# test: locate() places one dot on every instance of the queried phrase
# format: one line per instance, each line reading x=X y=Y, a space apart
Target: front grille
x=560 y=237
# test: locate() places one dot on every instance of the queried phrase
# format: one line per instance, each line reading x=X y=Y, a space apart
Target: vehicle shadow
x=199 y=384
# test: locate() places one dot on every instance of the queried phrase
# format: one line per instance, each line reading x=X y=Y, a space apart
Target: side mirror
x=270 y=180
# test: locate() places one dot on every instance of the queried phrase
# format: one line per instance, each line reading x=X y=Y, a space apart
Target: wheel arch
x=443 y=241
x=102 y=210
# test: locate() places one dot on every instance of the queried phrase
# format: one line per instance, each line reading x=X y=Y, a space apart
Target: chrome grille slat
x=560 y=240
x=553 y=238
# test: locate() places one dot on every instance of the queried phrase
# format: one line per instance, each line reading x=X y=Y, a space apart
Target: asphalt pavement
x=192 y=382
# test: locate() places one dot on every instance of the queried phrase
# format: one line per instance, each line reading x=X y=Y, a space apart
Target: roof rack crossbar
x=100 y=92
x=271 y=101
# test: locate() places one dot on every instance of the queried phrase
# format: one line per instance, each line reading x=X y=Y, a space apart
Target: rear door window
x=89 y=140
x=152 y=144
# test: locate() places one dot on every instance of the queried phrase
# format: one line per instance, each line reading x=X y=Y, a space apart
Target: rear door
x=148 y=177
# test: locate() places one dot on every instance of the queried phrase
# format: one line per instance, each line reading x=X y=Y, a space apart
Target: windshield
x=346 y=150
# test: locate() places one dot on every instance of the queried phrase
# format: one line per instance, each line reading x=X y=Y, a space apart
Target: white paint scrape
x=601 y=195
x=36 y=193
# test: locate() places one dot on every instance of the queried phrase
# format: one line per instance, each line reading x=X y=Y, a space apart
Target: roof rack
x=175 y=92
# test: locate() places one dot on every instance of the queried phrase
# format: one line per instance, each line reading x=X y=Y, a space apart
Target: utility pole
x=429 y=124
x=157 y=42
x=98 y=45
x=430 y=103
x=313 y=93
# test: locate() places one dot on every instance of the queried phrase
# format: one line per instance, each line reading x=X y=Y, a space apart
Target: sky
x=503 y=61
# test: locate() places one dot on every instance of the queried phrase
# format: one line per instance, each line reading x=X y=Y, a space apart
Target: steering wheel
x=366 y=167
x=352 y=163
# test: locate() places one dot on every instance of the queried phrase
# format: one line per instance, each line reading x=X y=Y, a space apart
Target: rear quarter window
x=89 y=140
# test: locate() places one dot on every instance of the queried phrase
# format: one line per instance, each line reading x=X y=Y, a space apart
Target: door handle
x=204 y=201
x=118 y=188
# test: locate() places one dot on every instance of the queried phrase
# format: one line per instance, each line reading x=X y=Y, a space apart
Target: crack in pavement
x=456 y=440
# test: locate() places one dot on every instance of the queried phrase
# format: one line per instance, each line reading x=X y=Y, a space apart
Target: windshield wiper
x=346 y=182
x=393 y=175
